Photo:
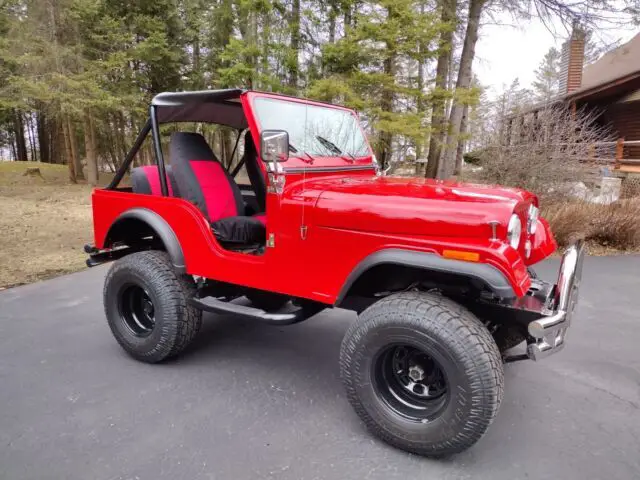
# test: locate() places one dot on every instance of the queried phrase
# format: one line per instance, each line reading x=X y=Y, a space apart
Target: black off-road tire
x=461 y=345
x=176 y=322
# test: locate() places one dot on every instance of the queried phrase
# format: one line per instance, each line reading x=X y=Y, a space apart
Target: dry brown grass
x=44 y=223
x=614 y=226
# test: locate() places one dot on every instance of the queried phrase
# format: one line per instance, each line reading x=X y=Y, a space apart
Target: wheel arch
x=132 y=226
x=403 y=263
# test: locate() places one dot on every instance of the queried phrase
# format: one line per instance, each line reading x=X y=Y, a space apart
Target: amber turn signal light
x=461 y=255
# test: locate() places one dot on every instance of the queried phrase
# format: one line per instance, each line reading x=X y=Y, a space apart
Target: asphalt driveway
x=252 y=401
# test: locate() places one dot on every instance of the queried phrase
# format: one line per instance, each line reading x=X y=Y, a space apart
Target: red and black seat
x=146 y=180
x=203 y=181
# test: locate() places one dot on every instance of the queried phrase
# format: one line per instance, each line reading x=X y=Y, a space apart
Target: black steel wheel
x=137 y=310
x=410 y=382
x=146 y=304
x=423 y=373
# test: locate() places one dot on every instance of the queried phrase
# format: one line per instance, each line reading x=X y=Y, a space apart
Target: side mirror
x=274 y=146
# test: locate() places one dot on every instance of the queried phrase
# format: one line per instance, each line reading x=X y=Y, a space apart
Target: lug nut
x=416 y=373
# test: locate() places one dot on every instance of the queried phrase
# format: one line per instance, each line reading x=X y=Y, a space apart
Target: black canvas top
x=210 y=106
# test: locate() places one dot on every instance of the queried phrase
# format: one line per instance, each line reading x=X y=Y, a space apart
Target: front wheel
x=423 y=373
x=146 y=303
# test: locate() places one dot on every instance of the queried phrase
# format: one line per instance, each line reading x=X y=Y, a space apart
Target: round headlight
x=532 y=220
x=514 y=231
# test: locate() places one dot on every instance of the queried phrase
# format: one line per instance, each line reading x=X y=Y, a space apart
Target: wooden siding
x=625 y=119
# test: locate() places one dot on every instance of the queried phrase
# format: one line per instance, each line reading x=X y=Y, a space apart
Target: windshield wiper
x=309 y=158
x=329 y=144
x=351 y=157
x=332 y=146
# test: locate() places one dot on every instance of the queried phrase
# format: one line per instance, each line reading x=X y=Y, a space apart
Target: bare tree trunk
x=463 y=82
x=294 y=24
x=58 y=144
x=264 y=46
x=122 y=127
x=14 y=151
x=347 y=17
x=253 y=41
x=248 y=26
x=438 y=130
x=43 y=138
x=420 y=106
x=113 y=154
x=332 y=24
x=77 y=161
x=151 y=157
x=66 y=127
x=32 y=137
x=385 y=143
x=196 y=60
x=21 y=144
x=462 y=141
x=227 y=145
x=90 y=148
x=111 y=143
x=94 y=143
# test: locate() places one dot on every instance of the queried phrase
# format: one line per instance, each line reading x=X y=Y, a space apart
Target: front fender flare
x=161 y=228
x=488 y=274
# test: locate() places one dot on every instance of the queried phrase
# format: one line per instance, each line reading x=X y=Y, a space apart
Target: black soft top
x=221 y=107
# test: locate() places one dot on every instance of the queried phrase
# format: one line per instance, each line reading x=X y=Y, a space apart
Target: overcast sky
x=505 y=53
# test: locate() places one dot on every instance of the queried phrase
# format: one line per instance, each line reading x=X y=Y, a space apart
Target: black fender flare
x=160 y=227
x=483 y=272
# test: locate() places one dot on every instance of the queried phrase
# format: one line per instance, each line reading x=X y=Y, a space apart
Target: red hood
x=414 y=206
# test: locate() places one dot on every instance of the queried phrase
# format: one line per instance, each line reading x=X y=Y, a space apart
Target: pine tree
x=547 y=82
x=370 y=69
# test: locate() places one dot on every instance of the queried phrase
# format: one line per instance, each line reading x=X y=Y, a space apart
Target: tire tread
x=181 y=323
x=459 y=328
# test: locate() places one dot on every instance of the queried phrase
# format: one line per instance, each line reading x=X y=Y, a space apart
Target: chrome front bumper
x=549 y=331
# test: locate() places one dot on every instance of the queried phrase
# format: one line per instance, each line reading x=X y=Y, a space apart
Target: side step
x=285 y=316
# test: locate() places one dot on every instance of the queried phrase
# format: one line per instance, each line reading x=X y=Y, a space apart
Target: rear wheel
x=146 y=306
x=423 y=373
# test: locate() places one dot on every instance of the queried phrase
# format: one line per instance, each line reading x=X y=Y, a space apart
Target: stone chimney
x=572 y=61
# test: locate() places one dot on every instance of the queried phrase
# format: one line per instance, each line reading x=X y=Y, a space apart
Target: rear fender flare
x=161 y=228
x=488 y=274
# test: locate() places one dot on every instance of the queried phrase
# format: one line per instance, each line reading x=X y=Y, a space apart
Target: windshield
x=315 y=130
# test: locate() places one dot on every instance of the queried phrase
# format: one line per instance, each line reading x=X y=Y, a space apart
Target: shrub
x=546 y=152
x=616 y=225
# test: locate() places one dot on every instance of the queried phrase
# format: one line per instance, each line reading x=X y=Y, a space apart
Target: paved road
x=253 y=401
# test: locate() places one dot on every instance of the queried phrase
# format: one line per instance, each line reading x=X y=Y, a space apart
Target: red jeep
x=438 y=272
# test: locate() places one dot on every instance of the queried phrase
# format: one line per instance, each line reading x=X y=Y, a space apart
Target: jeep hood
x=413 y=206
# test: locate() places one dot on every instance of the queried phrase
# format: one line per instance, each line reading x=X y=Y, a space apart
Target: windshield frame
x=358 y=162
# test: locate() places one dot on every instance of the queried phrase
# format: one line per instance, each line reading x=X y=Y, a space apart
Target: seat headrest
x=189 y=146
